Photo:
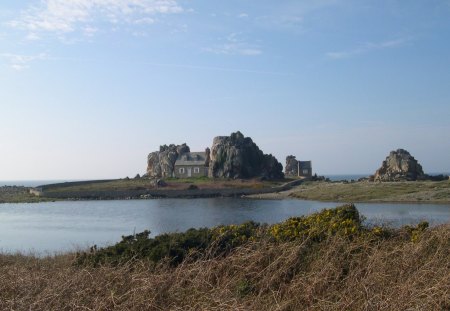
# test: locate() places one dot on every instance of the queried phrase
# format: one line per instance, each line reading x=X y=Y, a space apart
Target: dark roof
x=305 y=164
x=191 y=158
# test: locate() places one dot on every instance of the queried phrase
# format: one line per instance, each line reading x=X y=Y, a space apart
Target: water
x=31 y=183
x=346 y=177
x=350 y=177
x=66 y=226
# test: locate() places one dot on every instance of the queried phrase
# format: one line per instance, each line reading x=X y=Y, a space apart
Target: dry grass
x=364 y=273
x=418 y=191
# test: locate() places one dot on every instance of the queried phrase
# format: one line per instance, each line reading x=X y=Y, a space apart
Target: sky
x=89 y=87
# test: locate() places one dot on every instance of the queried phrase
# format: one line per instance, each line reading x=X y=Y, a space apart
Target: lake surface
x=63 y=226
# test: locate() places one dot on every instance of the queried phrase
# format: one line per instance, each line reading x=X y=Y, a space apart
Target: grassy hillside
x=326 y=261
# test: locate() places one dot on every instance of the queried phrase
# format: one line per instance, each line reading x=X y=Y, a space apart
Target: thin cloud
x=63 y=16
x=145 y=20
x=234 y=45
x=368 y=47
x=180 y=66
x=90 y=31
x=21 y=62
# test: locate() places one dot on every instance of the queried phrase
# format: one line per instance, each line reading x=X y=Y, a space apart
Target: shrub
x=414 y=233
x=228 y=237
x=343 y=220
x=174 y=246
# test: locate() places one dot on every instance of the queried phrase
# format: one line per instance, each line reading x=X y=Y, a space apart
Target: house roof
x=191 y=158
x=305 y=164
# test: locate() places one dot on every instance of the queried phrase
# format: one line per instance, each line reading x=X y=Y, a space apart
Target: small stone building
x=296 y=168
x=192 y=164
x=305 y=168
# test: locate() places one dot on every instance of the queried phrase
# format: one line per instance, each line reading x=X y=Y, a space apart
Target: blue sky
x=90 y=87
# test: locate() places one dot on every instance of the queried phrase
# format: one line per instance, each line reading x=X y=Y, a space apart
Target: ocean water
x=32 y=183
x=346 y=177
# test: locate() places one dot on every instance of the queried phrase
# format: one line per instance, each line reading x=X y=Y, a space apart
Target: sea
x=347 y=177
x=33 y=183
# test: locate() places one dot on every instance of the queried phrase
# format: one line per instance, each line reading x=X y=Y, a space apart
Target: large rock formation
x=237 y=156
x=399 y=166
x=162 y=163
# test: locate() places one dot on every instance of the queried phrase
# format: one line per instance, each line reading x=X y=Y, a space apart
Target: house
x=304 y=169
x=192 y=164
x=296 y=168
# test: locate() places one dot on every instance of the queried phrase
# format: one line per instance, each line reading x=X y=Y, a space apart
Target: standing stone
x=207 y=157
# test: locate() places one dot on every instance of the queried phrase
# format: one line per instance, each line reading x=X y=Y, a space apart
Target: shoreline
x=423 y=192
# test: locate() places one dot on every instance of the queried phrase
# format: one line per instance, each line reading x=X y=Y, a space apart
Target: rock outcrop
x=237 y=156
x=400 y=165
x=162 y=163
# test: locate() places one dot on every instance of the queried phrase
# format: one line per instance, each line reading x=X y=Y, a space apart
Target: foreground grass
x=419 y=192
x=306 y=263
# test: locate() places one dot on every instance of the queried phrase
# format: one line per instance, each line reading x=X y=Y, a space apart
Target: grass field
x=22 y=195
x=13 y=194
x=419 y=191
x=172 y=184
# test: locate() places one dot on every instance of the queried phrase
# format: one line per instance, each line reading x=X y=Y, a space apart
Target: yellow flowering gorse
x=341 y=220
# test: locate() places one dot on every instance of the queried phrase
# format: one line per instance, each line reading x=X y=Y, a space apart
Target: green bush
x=174 y=246
x=228 y=237
x=341 y=220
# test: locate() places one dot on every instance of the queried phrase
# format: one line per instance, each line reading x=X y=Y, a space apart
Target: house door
x=189 y=172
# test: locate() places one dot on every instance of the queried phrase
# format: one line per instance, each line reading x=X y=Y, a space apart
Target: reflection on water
x=61 y=226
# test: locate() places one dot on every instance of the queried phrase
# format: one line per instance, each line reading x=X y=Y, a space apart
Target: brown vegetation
x=359 y=272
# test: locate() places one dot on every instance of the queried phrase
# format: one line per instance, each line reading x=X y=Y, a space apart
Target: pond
x=46 y=228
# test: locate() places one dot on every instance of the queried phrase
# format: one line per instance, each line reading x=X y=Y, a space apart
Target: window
x=305 y=172
x=196 y=170
x=181 y=170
